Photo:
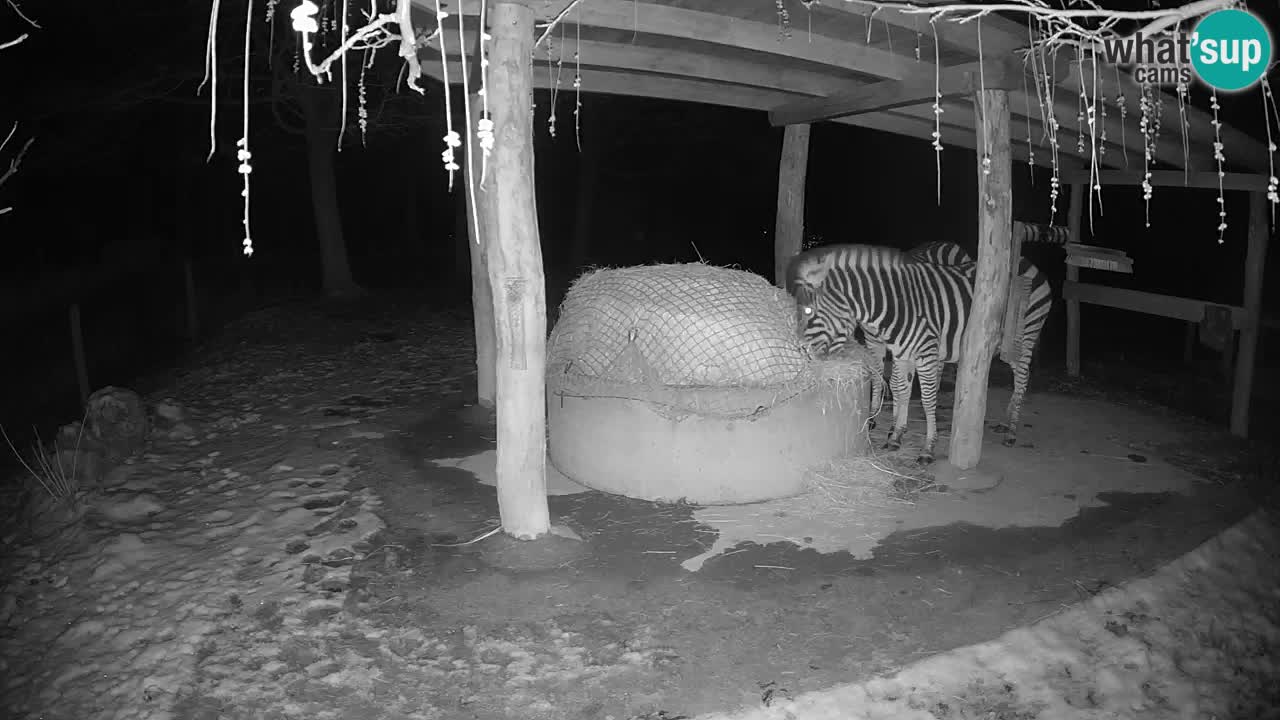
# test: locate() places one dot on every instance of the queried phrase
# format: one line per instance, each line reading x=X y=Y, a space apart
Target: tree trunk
x=788 y=237
x=990 y=285
x=588 y=179
x=321 y=139
x=516 y=276
x=410 y=241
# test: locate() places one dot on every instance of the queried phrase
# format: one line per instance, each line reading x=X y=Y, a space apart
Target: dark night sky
x=121 y=139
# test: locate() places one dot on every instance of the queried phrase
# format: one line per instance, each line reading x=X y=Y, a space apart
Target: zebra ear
x=808 y=270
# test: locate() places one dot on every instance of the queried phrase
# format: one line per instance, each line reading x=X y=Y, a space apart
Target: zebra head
x=823 y=323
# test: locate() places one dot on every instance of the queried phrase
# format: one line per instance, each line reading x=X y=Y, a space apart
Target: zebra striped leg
x=1021 y=375
x=900 y=381
x=877 y=382
x=929 y=367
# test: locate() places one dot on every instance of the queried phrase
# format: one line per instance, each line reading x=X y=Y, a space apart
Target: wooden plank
x=1250 y=325
x=1000 y=35
x=1207 y=180
x=792 y=169
x=710 y=29
x=991 y=283
x=1178 y=308
x=514 y=257
x=922 y=86
x=1075 y=216
x=594 y=55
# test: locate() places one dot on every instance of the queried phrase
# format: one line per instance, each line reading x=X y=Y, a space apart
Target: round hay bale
x=686 y=382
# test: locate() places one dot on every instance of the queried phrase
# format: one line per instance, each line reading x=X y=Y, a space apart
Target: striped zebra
x=916 y=310
x=941 y=252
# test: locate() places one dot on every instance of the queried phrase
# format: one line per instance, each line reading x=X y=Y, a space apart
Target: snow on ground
x=193 y=540
x=207 y=583
x=1197 y=639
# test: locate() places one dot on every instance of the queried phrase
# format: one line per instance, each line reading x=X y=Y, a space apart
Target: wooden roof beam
x=714 y=29
x=666 y=61
x=1171 y=178
x=920 y=87
x=607 y=82
x=1000 y=35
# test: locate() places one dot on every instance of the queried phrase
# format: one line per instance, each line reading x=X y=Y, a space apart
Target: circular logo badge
x=1231 y=49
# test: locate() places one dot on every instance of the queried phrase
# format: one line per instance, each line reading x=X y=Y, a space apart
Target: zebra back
x=1042 y=233
x=941 y=252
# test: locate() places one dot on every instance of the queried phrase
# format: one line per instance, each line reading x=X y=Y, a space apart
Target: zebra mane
x=808 y=270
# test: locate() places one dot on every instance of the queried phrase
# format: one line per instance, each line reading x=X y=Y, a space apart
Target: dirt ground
x=432 y=623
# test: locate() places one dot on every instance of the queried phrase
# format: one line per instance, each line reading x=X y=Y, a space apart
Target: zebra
x=941 y=252
x=917 y=310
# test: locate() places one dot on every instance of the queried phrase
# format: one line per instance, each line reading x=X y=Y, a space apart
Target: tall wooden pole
x=1075 y=214
x=481 y=290
x=514 y=258
x=788 y=236
x=1255 y=262
x=991 y=285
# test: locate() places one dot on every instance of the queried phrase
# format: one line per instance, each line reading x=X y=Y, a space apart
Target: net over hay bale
x=670 y=382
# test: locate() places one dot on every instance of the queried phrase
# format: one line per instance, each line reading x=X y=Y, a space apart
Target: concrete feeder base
x=644 y=450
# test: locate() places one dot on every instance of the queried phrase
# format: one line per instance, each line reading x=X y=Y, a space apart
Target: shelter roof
x=825 y=59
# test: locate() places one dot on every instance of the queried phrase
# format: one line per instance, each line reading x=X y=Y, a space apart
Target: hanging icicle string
x=451 y=138
x=1031 y=150
x=211 y=76
x=470 y=175
x=1269 y=116
x=1145 y=125
x=577 y=86
x=937 y=112
x=484 y=126
x=362 y=100
x=243 y=154
x=1124 y=114
x=1220 y=159
x=342 y=124
x=982 y=112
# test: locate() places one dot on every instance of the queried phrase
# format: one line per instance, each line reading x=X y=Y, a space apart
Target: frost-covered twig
x=15 y=163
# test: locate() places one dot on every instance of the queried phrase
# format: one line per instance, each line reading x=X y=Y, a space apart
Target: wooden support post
x=1015 y=303
x=1255 y=262
x=788 y=238
x=1228 y=356
x=1075 y=214
x=481 y=291
x=514 y=258
x=77 y=353
x=193 y=312
x=991 y=284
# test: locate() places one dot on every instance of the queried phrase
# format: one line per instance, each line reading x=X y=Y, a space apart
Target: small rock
x=170 y=413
